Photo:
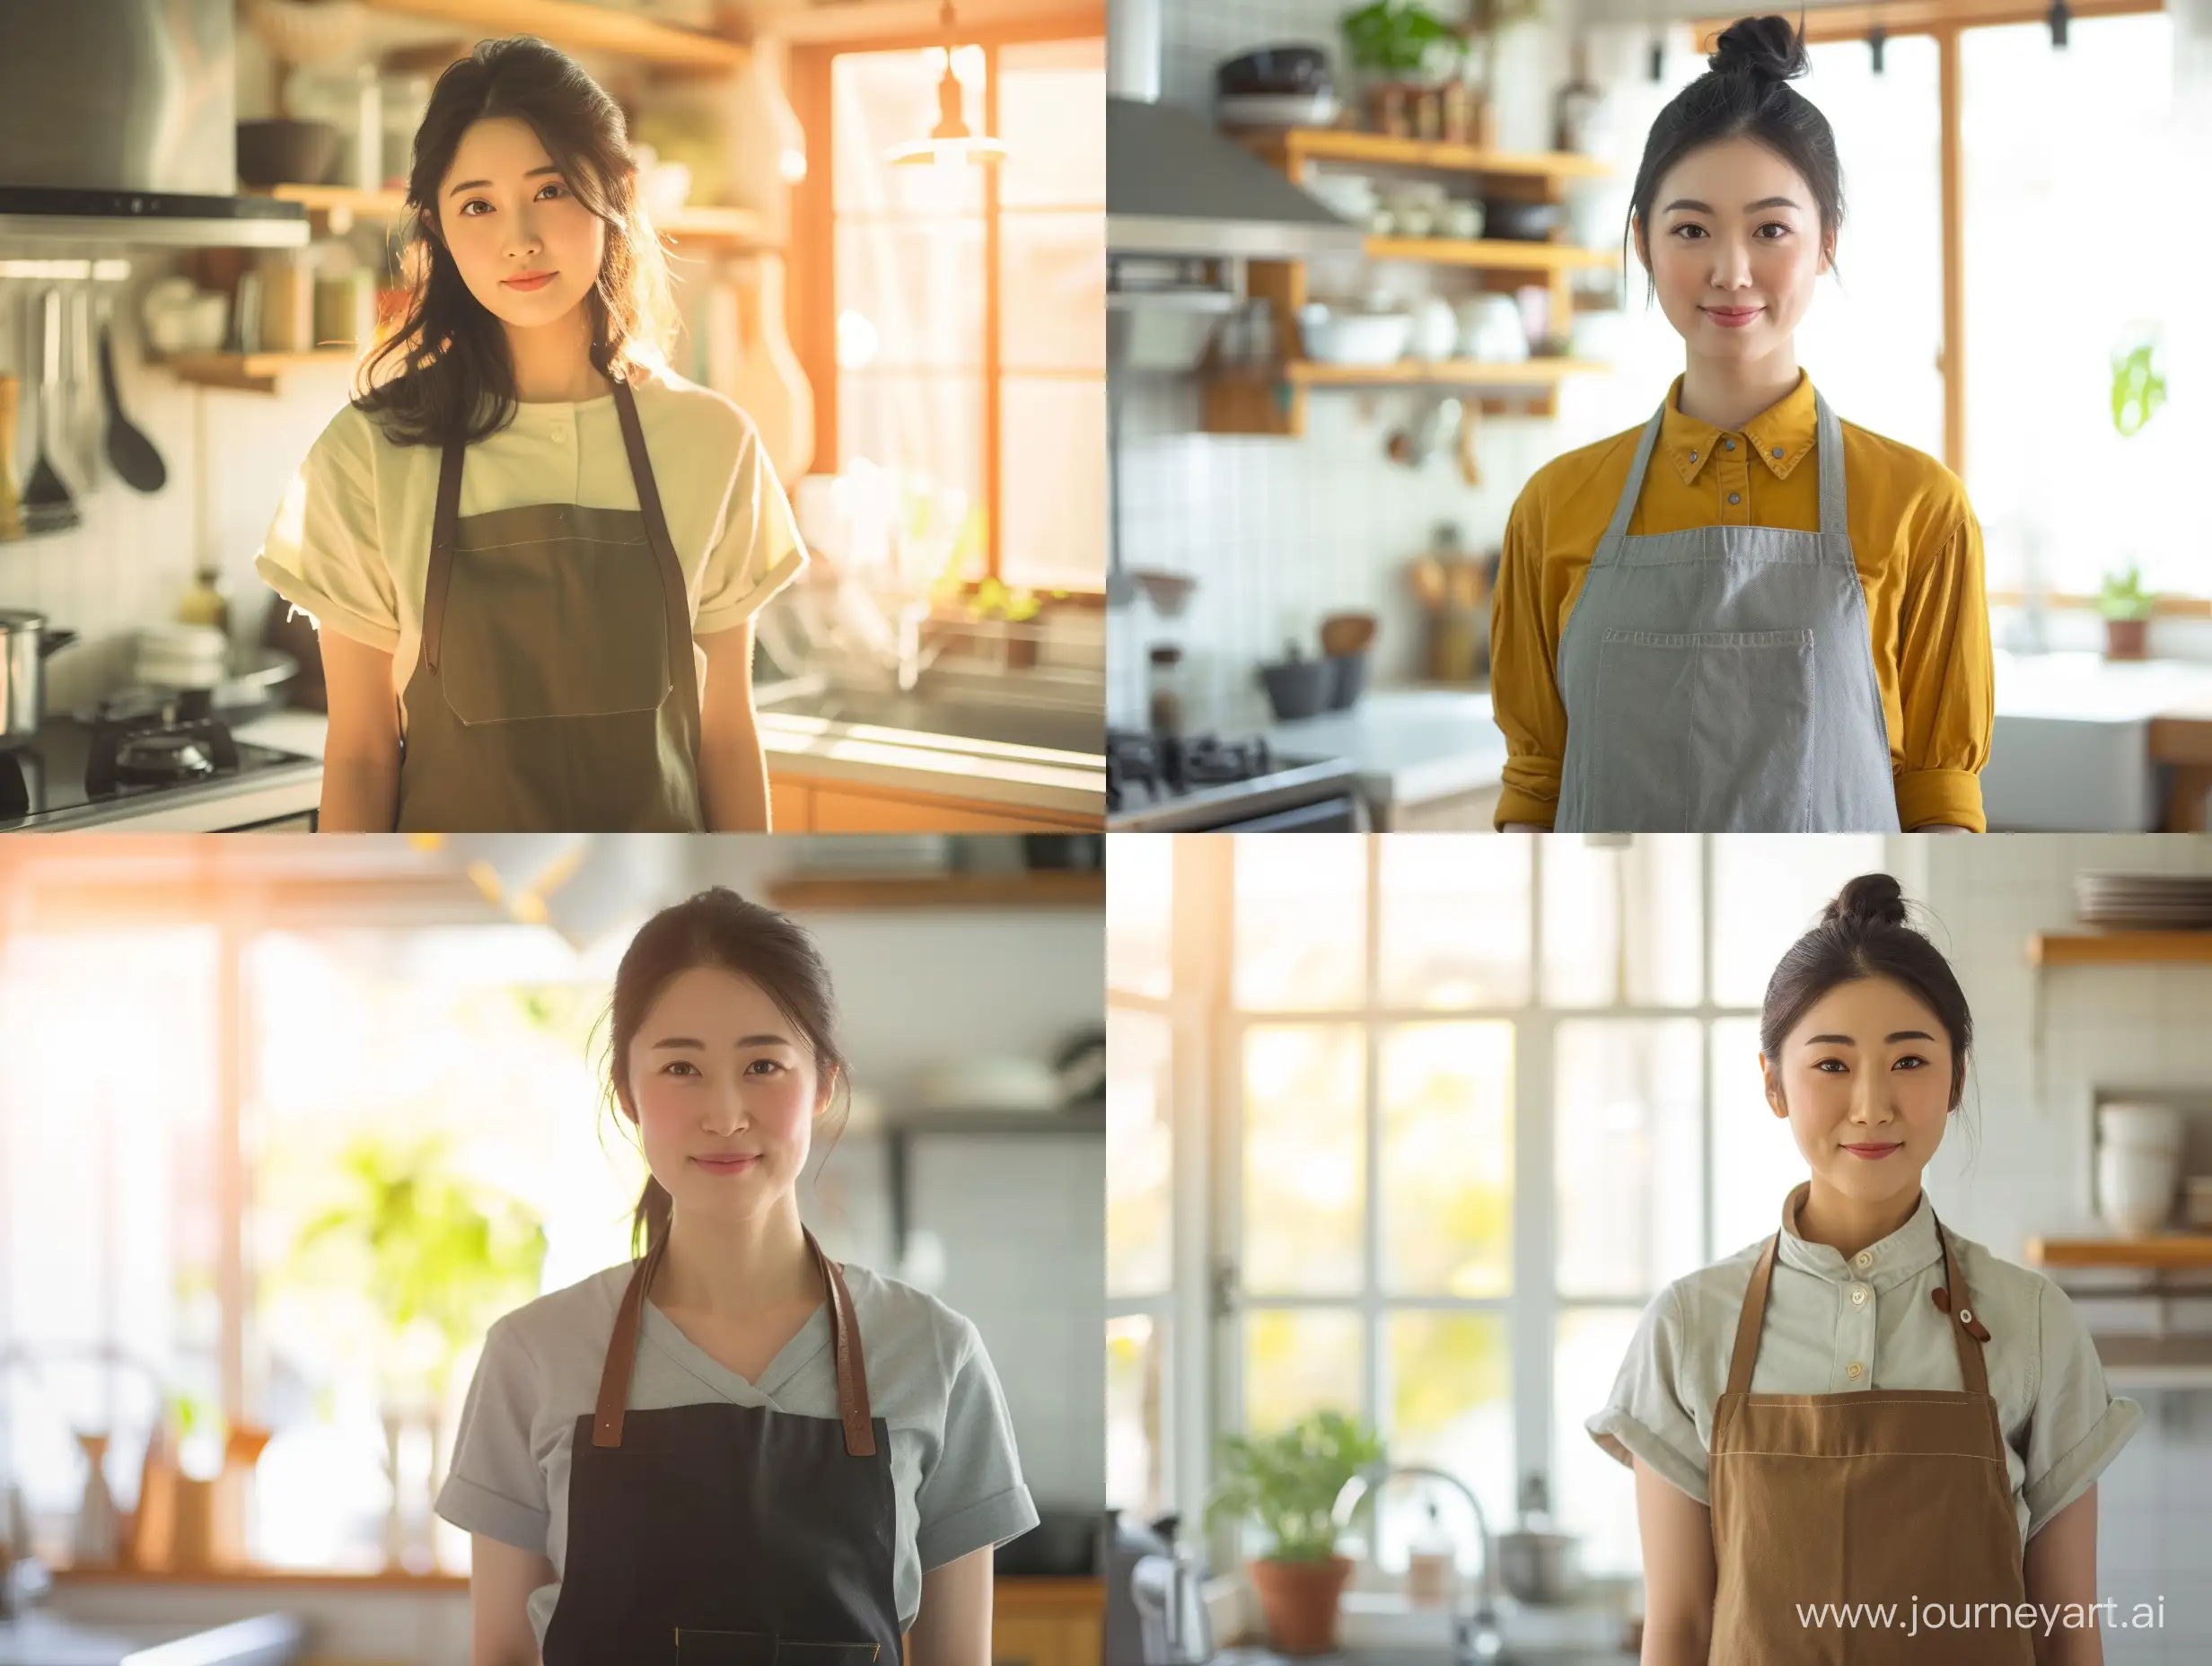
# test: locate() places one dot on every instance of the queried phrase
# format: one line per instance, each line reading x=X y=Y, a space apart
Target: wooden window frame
x=814 y=306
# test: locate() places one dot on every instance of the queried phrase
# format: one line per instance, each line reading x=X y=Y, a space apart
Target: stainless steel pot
x=25 y=643
x=1537 y=1567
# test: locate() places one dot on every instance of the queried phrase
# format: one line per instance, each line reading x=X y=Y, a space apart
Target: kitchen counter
x=37 y=1639
x=2080 y=741
x=1427 y=758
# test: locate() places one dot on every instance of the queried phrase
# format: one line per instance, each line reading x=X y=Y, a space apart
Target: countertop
x=38 y=1639
x=2088 y=688
x=1409 y=745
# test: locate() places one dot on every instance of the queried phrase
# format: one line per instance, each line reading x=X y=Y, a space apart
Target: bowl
x=278 y=152
x=1336 y=335
x=1518 y=222
x=1348 y=678
x=1298 y=688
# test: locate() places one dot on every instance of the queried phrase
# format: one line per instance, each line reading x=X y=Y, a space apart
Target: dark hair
x=446 y=373
x=1745 y=93
x=1863 y=933
x=719 y=928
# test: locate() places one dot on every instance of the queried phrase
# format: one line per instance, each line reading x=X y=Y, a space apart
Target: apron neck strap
x=681 y=669
x=1974 y=1369
x=854 y=1410
x=443 y=520
x=1633 y=487
x=1827 y=459
x=1746 y=1351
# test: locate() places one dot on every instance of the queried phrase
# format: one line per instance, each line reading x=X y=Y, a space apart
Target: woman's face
x=508 y=215
x=1734 y=246
x=724 y=1091
x=1865 y=1079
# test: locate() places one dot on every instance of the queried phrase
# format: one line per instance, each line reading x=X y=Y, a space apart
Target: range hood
x=118 y=126
x=1176 y=187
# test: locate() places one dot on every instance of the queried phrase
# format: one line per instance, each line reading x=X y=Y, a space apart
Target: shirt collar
x=1779 y=436
x=1904 y=1253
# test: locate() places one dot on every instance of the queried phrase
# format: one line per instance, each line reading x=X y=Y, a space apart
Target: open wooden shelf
x=578 y=27
x=1496 y=254
x=2120 y=949
x=1382 y=150
x=253 y=373
x=2160 y=1251
x=396 y=1578
x=2143 y=1362
x=851 y=892
x=337 y=206
x=1535 y=373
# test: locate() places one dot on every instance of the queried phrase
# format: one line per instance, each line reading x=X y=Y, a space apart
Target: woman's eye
x=1775 y=226
x=771 y=1065
x=680 y=1066
x=1686 y=230
x=1831 y=1066
x=551 y=185
x=1911 y=1061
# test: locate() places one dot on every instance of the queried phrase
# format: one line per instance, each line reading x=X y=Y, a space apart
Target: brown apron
x=555 y=690
x=724 y=1535
x=1882 y=1496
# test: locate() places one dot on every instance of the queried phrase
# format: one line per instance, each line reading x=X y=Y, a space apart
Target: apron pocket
x=561 y=625
x=758 y=1648
x=1702 y=731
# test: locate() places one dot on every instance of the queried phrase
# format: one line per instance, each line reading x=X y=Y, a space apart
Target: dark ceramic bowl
x=1348 y=678
x=285 y=153
x=1273 y=70
x=1298 y=688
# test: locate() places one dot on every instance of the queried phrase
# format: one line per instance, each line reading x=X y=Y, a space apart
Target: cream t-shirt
x=2061 y=1426
x=350 y=545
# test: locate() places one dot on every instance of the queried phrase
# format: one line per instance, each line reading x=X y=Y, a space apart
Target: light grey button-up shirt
x=1838 y=1324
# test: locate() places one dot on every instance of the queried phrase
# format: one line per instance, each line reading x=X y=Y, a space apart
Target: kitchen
x=1429 y=1185
x=217 y=1421
x=201 y=207
x=1327 y=400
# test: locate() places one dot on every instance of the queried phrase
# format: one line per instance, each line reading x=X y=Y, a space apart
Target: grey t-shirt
x=955 y=1474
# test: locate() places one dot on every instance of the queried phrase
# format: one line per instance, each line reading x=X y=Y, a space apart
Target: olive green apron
x=555 y=689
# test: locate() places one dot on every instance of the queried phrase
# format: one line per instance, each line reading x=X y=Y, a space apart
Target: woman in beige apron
x=554 y=683
x=1710 y=672
x=1851 y=1449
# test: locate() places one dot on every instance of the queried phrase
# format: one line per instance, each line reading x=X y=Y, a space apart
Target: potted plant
x=2127 y=608
x=1402 y=47
x=1287 y=1484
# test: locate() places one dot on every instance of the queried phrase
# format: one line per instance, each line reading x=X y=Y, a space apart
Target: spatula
x=130 y=453
x=47 y=506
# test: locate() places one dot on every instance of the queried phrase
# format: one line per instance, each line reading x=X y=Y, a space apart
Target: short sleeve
x=1946 y=684
x=1646 y=1416
x=1524 y=683
x=972 y=1495
x=757 y=552
x=322 y=552
x=2076 y=1428
x=494 y=1485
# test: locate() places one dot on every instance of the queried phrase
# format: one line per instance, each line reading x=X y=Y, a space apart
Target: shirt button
x=560 y=434
x=1735 y=497
x=1855 y=1370
x=1858 y=1295
x=1864 y=1257
x=1693 y=457
x=1777 y=451
x=1728 y=445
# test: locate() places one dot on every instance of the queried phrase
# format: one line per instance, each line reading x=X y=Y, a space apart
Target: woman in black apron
x=733 y=1450
x=548 y=677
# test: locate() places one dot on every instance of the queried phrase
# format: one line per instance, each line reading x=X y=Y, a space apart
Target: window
x=962 y=346
x=1480 y=1100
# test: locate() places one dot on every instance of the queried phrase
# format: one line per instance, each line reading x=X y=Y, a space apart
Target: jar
x=1164 y=690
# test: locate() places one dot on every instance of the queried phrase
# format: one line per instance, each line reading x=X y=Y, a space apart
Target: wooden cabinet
x=815 y=804
x=1048 y=1622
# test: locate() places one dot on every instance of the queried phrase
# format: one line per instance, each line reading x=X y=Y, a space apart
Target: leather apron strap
x=443 y=521
x=682 y=666
x=854 y=1408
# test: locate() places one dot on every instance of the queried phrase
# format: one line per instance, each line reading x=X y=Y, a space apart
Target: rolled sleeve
x=1946 y=685
x=495 y=1486
x=973 y=1494
x=2076 y=1428
x=758 y=551
x=322 y=553
x=1524 y=682
x=1645 y=1416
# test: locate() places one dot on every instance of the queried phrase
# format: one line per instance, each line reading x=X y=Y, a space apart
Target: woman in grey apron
x=732 y=1450
x=1721 y=677
x=554 y=686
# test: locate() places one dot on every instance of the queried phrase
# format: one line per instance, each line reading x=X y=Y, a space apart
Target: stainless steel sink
x=1061 y=728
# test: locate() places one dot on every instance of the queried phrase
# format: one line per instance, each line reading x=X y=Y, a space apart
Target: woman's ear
x=1773 y=1085
x=825 y=1091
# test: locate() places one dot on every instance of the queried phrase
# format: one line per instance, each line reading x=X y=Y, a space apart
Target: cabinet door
x=839 y=810
x=791 y=806
x=1029 y=1638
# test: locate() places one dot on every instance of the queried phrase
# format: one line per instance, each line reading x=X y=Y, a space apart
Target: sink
x=1008 y=723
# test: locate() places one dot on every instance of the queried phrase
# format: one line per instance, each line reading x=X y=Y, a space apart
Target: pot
x=25 y=643
x=1536 y=1567
x=1298 y=1601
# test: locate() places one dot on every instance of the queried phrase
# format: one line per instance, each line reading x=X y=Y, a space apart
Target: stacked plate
x=2145 y=901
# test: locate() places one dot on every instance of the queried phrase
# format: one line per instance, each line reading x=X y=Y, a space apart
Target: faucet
x=1478 y=1639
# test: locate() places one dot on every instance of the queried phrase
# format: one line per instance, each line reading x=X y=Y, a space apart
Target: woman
x=1865 y=1407
x=533 y=552
x=733 y=1450
x=1798 y=642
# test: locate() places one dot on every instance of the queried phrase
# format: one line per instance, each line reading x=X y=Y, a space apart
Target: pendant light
x=2059 y=19
x=950 y=143
x=1876 y=38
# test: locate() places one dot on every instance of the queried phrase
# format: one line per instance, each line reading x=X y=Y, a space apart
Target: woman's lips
x=1872 y=1152
x=1733 y=318
x=536 y=280
x=725 y=1165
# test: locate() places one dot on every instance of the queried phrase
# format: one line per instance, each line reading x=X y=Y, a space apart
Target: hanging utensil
x=47 y=506
x=130 y=453
x=83 y=421
x=1471 y=471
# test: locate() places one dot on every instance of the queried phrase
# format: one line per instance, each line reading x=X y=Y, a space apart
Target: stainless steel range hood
x=118 y=126
x=1176 y=187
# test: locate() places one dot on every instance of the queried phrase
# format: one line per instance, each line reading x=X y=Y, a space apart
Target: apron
x=1884 y=1496
x=1722 y=678
x=555 y=689
x=722 y=1535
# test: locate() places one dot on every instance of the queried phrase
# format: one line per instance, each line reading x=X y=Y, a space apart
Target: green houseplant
x=2127 y=608
x=1286 y=1484
x=2139 y=390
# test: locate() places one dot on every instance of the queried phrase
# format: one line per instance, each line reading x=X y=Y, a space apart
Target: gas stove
x=172 y=765
x=1162 y=782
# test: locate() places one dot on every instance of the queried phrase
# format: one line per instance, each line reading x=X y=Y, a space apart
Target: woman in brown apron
x=554 y=685
x=734 y=1451
x=1865 y=1504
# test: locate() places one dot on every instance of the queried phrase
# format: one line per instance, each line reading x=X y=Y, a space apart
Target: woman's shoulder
x=899 y=1318
x=2021 y=1297
x=560 y=1319
x=1902 y=472
x=666 y=399
x=1601 y=466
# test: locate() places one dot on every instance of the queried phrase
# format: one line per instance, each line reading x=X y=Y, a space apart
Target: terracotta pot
x=1298 y=1601
x=2126 y=639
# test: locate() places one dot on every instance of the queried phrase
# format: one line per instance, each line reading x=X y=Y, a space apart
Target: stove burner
x=1166 y=763
x=155 y=750
x=150 y=760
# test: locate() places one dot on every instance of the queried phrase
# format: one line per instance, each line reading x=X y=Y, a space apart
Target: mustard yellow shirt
x=1914 y=539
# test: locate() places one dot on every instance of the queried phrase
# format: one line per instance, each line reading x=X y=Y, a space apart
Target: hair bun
x=1870 y=900
x=1768 y=48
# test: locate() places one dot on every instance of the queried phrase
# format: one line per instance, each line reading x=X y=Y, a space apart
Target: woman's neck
x=735 y=1268
x=1728 y=393
x=553 y=361
x=1848 y=1224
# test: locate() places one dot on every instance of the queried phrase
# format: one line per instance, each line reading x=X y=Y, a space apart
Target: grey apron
x=555 y=689
x=1722 y=678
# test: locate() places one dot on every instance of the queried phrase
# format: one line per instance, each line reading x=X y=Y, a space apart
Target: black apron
x=722 y=1535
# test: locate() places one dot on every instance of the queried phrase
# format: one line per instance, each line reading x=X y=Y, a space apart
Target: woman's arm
x=1945 y=688
x=953 y=1627
x=2062 y=1572
x=500 y=1580
x=733 y=770
x=361 y=757
x=1679 y=1572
